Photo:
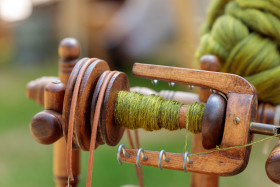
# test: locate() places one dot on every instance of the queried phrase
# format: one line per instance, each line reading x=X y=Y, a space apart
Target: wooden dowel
x=209 y=63
x=69 y=51
x=35 y=89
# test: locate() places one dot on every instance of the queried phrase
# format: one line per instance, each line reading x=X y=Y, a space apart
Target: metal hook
x=154 y=82
x=140 y=151
x=68 y=182
x=122 y=148
x=162 y=153
x=186 y=159
x=171 y=84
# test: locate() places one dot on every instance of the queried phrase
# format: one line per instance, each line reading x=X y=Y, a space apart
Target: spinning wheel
x=83 y=112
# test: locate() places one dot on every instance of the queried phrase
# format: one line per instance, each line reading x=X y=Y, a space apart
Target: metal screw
x=236 y=120
x=56 y=82
x=191 y=87
x=171 y=84
x=154 y=82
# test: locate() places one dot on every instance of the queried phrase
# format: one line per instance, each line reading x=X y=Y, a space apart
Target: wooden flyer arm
x=237 y=90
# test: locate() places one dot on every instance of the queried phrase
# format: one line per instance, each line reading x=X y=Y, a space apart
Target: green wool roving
x=245 y=36
x=133 y=110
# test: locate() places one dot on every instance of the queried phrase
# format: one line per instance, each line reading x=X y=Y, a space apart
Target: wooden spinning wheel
x=86 y=93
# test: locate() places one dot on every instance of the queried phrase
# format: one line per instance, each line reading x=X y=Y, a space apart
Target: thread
x=133 y=110
x=245 y=36
x=235 y=147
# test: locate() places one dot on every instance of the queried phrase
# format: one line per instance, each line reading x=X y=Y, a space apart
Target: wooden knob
x=69 y=49
x=54 y=96
x=210 y=63
x=213 y=121
x=272 y=165
x=46 y=127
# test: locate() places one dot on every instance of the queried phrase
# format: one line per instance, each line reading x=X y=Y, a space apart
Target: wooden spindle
x=69 y=51
x=208 y=63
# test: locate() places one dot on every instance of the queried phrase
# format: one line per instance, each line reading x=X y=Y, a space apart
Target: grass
x=24 y=162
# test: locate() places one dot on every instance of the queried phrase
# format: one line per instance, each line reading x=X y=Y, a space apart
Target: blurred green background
x=28 y=51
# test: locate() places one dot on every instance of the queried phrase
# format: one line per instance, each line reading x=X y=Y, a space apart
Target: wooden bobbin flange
x=90 y=84
x=213 y=121
x=111 y=132
x=82 y=127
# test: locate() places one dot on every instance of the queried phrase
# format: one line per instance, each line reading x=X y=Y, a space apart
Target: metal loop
x=122 y=148
x=160 y=155
x=186 y=159
x=68 y=181
x=140 y=152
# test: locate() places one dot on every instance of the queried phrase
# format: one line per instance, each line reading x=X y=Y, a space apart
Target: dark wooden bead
x=213 y=121
x=272 y=165
x=46 y=127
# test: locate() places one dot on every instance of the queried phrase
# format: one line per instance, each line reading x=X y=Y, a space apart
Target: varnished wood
x=35 y=89
x=68 y=59
x=82 y=116
x=227 y=84
x=207 y=63
x=266 y=114
x=213 y=121
x=68 y=97
x=112 y=133
x=46 y=127
x=272 y=165
x=99 y=139
x=221 y=165
x=69 y=52
x=54 y=95
x=222 y=82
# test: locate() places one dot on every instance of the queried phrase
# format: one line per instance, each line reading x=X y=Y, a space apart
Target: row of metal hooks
x=141 y=153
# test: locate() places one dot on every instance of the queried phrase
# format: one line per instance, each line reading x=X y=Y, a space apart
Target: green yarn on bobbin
x=245 y=36
x=133 y=110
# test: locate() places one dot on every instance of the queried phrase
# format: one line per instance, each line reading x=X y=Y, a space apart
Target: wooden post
x=209 y=63
x=69 y=51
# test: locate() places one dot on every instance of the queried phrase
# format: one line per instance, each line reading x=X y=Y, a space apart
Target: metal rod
x=264 y=129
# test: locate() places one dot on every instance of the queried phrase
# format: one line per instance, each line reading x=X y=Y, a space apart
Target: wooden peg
x=54 y=95
x=35 y=89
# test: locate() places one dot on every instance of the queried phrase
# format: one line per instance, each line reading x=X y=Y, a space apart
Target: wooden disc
x=68 y=97
x=82 y=127
x=99 y=138
x=112 y=133
x=213 y=121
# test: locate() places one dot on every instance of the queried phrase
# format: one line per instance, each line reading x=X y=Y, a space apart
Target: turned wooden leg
x=69 y=51
x=209 y=63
